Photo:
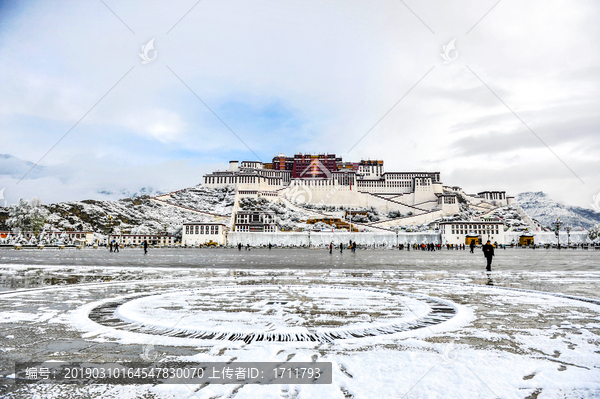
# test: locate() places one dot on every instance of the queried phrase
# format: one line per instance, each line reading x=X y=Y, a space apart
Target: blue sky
x=300 y=76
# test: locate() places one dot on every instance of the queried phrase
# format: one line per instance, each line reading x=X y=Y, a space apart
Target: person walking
x=239 y=246
x=341 y=247
x=354 y=247
x=110 y=246
x=472 y=246
x=488 y=252
x=270 y=246
x=145 y=247
x=116 y=247
x=330 y=247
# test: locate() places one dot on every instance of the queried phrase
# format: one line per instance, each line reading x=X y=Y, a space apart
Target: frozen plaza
x=394 y=324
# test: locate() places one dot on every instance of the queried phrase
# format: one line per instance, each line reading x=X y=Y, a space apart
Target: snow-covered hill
x=167 y=212
x=136 y=215
x=217 y=201
x=541 y=207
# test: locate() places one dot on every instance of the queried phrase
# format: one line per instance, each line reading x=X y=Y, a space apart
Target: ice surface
x=510 y=341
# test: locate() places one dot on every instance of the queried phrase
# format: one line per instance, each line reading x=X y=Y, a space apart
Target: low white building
x=456 y=231
x=138 y=239
x=200 y=233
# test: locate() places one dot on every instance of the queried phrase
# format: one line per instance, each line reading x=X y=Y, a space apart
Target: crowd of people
x=351 y=246
x=114 y=246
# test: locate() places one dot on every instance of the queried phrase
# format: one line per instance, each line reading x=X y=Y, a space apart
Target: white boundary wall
x=379 y=239
x=548 y=237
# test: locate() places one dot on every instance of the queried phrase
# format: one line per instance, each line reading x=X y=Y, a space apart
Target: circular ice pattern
x=274 y=313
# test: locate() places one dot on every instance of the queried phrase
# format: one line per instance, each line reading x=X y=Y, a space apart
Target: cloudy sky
x=517 y=108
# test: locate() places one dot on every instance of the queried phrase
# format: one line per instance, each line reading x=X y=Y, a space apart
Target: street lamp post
x=350 y=220
x=109 y=232
x=557 y=226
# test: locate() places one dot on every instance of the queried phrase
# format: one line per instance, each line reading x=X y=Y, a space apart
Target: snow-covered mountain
x=139 y=214
x=541 y=207
x=13 y=166
x=148 y=191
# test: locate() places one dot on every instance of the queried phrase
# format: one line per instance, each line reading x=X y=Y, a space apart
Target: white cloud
x=339 y=65
x=162 y=124
x=85 y=177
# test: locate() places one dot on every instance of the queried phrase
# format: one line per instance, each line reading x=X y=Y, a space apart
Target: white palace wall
x=341 y=196
x=412 y=220
x=322 y=191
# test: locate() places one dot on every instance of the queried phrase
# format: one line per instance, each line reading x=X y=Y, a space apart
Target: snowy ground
x=522 y=331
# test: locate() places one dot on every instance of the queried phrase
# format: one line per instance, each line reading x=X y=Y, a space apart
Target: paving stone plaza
x=414 y=324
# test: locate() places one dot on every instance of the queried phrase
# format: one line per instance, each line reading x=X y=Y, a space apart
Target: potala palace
x=315 y=184
x=325 y=179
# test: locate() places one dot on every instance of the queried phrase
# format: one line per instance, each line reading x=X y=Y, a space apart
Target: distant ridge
x=541 y=207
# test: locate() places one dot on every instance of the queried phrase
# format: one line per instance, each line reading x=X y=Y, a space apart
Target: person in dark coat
x=145 y=247
x=330 y=247
x=488 y=252
x=472 y=245
x=341 y=247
